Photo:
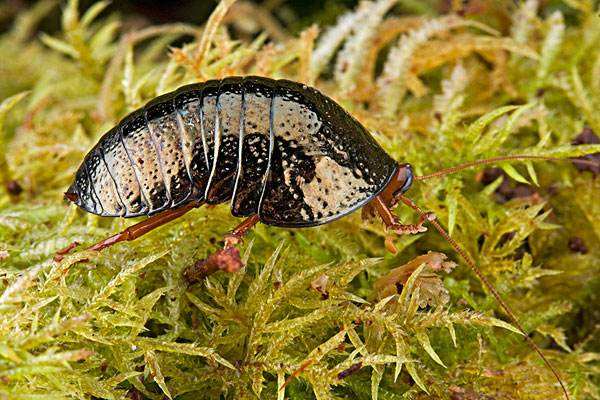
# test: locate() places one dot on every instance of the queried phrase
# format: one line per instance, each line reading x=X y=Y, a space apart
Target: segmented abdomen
x=276 y=148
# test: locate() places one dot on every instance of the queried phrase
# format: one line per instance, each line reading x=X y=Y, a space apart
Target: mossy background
x=438 y=83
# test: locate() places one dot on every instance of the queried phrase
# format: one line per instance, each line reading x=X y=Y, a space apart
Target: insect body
x=276 y=149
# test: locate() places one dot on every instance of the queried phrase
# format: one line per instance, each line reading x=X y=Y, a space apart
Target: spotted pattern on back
x=318 y=169
x=292 y=163
x=144 y=157
x=82 y=189
x=209 y=120
x=162 y=124
x=118 y=162
x=227 y=137
x=104 y=185
x=188 y=107
x=253 y=166
x=276 y=148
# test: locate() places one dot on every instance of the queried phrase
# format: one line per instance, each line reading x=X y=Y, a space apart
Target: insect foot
x=227 y=259
x=411 y=229
x=232 y=240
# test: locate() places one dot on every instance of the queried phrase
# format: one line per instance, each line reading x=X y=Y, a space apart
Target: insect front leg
x=393 y=224
x=227 y=259
x=379 y=207
x=411 y=229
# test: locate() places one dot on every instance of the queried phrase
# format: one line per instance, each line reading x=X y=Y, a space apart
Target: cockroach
x=278 y=151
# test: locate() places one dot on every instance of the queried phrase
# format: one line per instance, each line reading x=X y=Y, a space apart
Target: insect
x=278 y=151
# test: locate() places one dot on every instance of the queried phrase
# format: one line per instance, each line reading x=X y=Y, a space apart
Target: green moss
x=451 y=89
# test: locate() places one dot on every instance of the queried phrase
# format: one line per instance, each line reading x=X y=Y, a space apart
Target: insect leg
x=392 y=223
x=227 y=259
x=135 y=231
x=237 y=234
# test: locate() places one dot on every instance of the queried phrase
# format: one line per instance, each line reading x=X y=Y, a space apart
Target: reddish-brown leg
x=141 y=228
x=392 y=223
x=227 y=259
x=237 y=234
x=135 y=231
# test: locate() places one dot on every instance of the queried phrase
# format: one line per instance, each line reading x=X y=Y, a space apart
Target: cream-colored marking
x=166 y=134
x=209 y=112
x=294 y=121
x=257 y=114
x=304 y=214
x=106 y=190
x=256 y=117
x=255 y=121
x=230 y=105
x=341 y=153
x=215 y=135
x=155 y=135
x=117 y=161
x=186 y=144
x=188 y=119
x=227 y=124
x=334 y=189
x=143 y=154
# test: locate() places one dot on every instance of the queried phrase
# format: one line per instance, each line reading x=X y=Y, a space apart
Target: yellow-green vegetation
x=317 y=308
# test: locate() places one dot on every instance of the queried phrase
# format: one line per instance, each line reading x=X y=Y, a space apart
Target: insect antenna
x=488 y=285
x=493 y=160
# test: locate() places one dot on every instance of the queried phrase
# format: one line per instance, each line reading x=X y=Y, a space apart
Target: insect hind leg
x=134 y=231
x=141 y=228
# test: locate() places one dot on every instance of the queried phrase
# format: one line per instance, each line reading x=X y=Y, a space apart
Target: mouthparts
x=71 y=196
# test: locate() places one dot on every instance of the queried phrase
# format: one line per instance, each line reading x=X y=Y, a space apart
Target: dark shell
x=276 y=148
x=188 y=105
x=227 y=135
x=324 y=164
x=256 y=148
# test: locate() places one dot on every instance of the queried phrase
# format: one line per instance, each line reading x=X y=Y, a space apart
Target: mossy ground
x=437 y=86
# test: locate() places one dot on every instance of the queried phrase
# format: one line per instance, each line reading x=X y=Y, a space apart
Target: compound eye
x=407 y=184
x=409 y=178
x=404 y=177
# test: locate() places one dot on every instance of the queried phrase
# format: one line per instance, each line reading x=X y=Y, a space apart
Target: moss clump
x=313 y=310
